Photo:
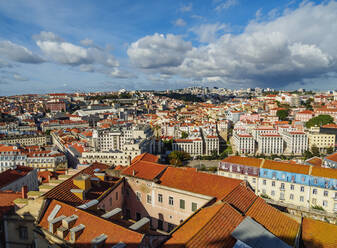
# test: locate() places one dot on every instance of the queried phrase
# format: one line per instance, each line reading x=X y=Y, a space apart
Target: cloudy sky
x=78 y=45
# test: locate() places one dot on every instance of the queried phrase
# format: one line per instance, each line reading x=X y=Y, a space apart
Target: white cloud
x=299 y=45
x=117 y=73
x=158 y=51
x=226 y=5
x=18 y=53
x=67 y=53
x=209 y=32
x=180 y=22
x=47 y=36
x=18 y=77
x=87 y=42
x=186 y=8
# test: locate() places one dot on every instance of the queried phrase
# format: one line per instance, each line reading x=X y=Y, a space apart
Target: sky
x=88 y=46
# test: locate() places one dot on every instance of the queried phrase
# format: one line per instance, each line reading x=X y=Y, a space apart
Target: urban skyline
x=50 y=47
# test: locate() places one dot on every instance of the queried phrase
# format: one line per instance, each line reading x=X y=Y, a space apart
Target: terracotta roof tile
x=12 y=175
x=62 y=191
x=6 y=201
x=285 y=166
x=256 y=162
x=274 y=221
x=94 y=226
x=198 y=182
x=324 y=172
x=316 y=233
x=210 y=227
x=332 y=157
x=144 y=170
x=241 y=198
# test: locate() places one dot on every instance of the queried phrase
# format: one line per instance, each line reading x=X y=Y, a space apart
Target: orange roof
x=330 y=125
x=198 y=182
x=256 y=162
x=285 y=166
x=323 y=172
x=144 y=170
x=94 y=226
x=11 y=175
x=6 y=201
x=145 y=157
x=62 y=191
x=274 y=221
x=210 y=227
x=332 y=157
x=315 y=161
x=316 y=233
x=241 y=198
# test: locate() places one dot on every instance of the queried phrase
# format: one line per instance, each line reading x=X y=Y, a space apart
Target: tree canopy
x=319 y=121
x=282 y=114
x=177 y=158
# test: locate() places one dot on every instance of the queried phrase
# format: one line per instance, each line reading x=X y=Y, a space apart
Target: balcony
x=282 y=189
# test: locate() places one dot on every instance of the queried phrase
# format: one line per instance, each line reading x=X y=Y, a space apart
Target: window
x=282 y=185
x=138 y=216
x=302 y=188
x=314 y=191
x=110 y=201
x=160 y=224
x=138 y=195
x=171 y=200
x=325 y=203
x=274 y=175
x=291 y=197
x=182 y=204
x=273 y=183
x=127 y=214
x=263 y=191
x=272 y=192
x=265 y=173
x=254 y=180
x=149 y=199
x=314 y=201
x=194 y=206
x=23 y=232
x=302 y=198
x=116 y=196
x=160 y=198
x=170 y=227
x=292 y=187
x=326 y=193
x=264 y=182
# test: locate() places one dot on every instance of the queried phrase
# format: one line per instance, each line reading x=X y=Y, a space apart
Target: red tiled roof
x=62 y=191
x=316 y=233
x=94 y=226
x=144 y=170
x=284 y=166
x=315 y=161
x=241 y=198
x=198 y=182
x=332 y=157
x=6 y=201
x=210 y=227
x=255 y=162
x=11 y=175
x=145 y=157
x=324 y=172
x=274 y=221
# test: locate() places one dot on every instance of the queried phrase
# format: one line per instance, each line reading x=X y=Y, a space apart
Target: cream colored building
x=26 y=140
x=321 y=140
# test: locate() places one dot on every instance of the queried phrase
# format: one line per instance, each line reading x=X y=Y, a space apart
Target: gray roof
x=256 y=236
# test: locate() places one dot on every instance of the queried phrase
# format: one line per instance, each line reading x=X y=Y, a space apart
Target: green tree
x=307 y=154
x=315 y=151
x=282 y=114
x=177 y=158
x=319 y=121
x=184 y=135
x=329 y=150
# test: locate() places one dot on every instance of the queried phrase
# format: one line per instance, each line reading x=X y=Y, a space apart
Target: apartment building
x=296 y=142
x=321 y=140
x=211 y=144
x=299 y=185
x=192 y=146
x=25 y=140
x=270 y=144
x=46 y=160
x=244 y=143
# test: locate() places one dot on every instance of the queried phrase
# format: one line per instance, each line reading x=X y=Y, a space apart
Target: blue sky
x=66 y=46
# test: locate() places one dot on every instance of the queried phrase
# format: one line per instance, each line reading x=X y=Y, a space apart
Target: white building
x=211 y=145
x=270 y=144
x=296 y=142
x=192 y=146
x=244 y=143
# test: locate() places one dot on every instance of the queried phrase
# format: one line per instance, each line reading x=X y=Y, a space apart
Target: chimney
x=115 y=214
x=100 y=175
x=83 y=182
x=55 y=223
x=75 y=232
x=69 y=221
x=99 y=241
x=80 y=193
x=141 y=225
x=62 y=232
x=24 y=191
x=133 y=172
